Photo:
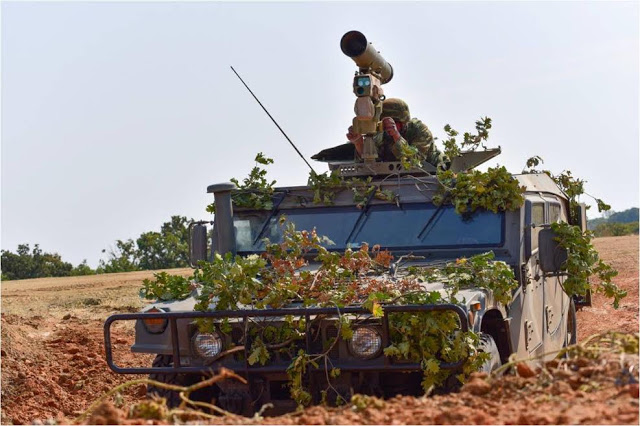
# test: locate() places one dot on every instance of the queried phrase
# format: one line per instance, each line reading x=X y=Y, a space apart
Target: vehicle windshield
x=410 y=226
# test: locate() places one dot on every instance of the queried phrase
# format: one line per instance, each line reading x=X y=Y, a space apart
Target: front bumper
x=383 y=364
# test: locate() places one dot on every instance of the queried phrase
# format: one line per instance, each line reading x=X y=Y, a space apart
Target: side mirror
x=582 y=217
x=552 y=256
x=198 y=244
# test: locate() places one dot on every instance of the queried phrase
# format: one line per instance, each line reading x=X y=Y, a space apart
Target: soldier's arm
x=396 y=148
x=419 y=135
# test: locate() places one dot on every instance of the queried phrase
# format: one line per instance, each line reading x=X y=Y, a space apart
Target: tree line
x=168 y=248
x=615 y=229
x=615 y=223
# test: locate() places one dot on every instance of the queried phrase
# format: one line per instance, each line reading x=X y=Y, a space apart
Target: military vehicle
x=540 y=319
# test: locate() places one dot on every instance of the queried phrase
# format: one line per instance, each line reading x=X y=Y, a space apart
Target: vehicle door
x=556 y=301
x=526 y=309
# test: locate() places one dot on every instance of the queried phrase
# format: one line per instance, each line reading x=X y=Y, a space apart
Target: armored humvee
x=540 y=319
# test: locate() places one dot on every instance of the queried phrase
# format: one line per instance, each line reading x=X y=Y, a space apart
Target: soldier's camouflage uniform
x=414 y=132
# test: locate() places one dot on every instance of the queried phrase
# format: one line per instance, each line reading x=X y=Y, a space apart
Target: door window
x=534 y=221
x=537 y=214
x=554 y=213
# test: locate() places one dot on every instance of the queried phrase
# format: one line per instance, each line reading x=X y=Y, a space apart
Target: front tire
x=172 y=397
x=572 y=325
x=488 y=345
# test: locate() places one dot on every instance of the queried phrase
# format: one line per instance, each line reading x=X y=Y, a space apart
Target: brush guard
x=362 y=366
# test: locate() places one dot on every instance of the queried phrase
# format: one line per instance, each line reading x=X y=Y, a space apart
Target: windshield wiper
x=265 y=225
x=430 y=221
x=362 y=213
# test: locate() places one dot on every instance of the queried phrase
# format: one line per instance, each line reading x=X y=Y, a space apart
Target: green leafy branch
x=451 y=148
x=326 y=187
x=166 y=287
x=470 y=141
x=255 y=191
x=493 y=190
x=582 y=262
x=479 y=271
x=429 y=338
x=363 y=190
x=532 y=163
x=572 y=186
x=411 y=157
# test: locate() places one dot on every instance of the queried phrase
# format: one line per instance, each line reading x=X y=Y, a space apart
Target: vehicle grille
x=331 y=333
x=320 y=338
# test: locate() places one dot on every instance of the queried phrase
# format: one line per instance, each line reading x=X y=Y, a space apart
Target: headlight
x=155 y=325
x=366 y=342
x=207 y=345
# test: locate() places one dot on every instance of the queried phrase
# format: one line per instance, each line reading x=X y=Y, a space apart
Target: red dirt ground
x=53 y=368
x=622 y=254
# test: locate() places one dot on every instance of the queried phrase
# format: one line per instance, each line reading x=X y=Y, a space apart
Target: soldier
x=399 y=129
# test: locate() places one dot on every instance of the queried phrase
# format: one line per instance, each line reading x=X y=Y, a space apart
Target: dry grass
x=93 y=296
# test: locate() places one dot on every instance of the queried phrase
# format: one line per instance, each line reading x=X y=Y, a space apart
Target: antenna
x=272 y=119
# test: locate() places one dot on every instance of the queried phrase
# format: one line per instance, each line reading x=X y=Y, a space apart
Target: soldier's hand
x=390 y=128
x=356 y=139
x=351 y=135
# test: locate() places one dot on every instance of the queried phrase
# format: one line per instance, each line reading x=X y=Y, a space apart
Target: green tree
x=121 y=259
x=615 y=229
x=82 y=269
x=626 y=216
x=168 y=248
x=33 y=263
x=150 y=250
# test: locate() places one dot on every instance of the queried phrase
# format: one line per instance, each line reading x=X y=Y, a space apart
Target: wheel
x=488 y=345
x=207 y=394
x=572 y=326
x=172 y=397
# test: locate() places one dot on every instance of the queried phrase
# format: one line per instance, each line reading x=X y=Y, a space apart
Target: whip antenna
x=273 y=119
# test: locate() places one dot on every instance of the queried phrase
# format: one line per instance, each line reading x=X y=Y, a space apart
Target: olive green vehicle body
x=540 y=319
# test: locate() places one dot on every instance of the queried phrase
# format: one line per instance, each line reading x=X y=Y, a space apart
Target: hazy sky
x=116 y=116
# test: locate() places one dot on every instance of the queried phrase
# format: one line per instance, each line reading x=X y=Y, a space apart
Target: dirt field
x=53 y=362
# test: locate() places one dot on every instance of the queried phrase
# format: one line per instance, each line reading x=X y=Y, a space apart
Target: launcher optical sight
x=373 y=72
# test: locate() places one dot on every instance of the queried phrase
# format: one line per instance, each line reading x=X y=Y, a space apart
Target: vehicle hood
x=464 y=296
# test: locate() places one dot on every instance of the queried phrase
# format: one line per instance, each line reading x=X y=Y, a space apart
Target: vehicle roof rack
x=465 y=161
